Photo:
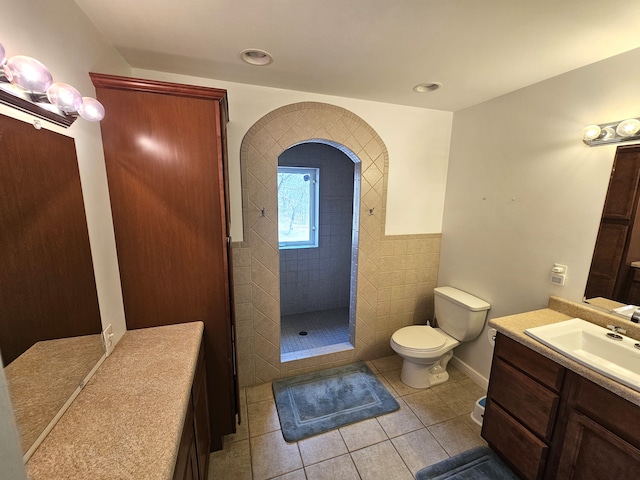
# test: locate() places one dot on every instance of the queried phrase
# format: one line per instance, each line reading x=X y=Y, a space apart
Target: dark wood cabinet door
x=607 y=260
x=623 y=186
x=591 y=452
x=164 y=147
x=184 y=468
x=201 y=418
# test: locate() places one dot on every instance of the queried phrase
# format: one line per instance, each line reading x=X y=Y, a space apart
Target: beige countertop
x=127 y=421
x=513 y=326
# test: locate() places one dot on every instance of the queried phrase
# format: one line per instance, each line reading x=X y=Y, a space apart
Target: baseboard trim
x=470 y=372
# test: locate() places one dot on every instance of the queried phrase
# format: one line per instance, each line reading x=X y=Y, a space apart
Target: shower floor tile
x=327 y=332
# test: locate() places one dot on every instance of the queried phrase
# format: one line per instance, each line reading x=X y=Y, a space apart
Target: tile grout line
x=460 y=417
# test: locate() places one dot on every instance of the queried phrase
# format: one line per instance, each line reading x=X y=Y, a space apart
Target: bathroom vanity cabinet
x=143 y=414
x=548 y=422
x=193 y=454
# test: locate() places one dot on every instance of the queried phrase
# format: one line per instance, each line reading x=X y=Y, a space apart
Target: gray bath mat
x=317 y=402
x=479 y=463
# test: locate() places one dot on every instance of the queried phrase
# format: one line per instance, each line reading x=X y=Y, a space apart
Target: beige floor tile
x=393 y=377
x=242 y=429
x=400 y=422
x=455 y=374
x=455 y=436
x=322 y=447
x=387 y=385
x=372 y=366
x=394 y=362
x=380 y=462
x=429 y=408
x=362 y=434
x=259 y=393
x=477 y=429
x=297 y=475
x=419 y=449
x=337 y=468
x=234 y=462
x=272 y=456
x=263 y=417
x=476 y=390
x=457 y=396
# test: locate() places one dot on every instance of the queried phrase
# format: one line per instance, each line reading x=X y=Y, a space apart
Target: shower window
x=298 y=207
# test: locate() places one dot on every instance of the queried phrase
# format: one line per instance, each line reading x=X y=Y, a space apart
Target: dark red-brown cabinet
x=165 y=154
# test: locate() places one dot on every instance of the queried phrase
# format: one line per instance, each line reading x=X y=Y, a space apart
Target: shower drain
x=303 y=333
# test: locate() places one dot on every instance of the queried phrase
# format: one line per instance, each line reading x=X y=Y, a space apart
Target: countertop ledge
x=513 y=326
x=127 y=421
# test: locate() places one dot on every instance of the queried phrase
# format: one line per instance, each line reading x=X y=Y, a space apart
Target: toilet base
x=418 y=375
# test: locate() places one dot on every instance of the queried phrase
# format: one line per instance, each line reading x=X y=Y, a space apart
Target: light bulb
x=629 y=127
x=590 y=132
x=28 y=73
x=608 y=133
x=91 y=109
x=3 y=55
x=65 y=97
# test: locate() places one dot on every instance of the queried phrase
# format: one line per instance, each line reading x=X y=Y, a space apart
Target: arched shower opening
x=318 y=219
x=256 y=258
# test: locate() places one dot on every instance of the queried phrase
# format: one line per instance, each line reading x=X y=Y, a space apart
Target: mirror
x=614 y=277
x=49 y=318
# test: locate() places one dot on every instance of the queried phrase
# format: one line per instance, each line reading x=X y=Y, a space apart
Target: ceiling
x=372 y=49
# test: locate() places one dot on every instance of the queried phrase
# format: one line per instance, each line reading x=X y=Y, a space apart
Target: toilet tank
x=459 y=313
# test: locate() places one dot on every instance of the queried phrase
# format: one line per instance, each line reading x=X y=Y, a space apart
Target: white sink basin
x=589 y=344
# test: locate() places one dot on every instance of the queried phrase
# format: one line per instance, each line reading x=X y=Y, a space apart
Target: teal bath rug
x=479 y=463
x=317 y=402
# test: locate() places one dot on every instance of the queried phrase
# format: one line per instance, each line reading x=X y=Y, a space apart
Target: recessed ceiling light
x=254 y=56
x=427 y=87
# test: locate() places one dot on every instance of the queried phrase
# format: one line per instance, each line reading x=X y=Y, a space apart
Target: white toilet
x=427 y=350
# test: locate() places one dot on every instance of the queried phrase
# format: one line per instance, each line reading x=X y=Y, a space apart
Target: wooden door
x=164 y=156
x=591 y=452
x=609 y=273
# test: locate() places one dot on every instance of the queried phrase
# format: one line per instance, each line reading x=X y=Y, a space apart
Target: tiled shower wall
x=396 y=275
x=313 y=279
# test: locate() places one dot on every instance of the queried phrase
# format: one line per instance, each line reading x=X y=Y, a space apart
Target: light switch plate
x=107 y=340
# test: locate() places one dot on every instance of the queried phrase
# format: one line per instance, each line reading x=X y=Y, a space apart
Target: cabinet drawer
x=520 y=448
x=531 y=403
x=532 y=363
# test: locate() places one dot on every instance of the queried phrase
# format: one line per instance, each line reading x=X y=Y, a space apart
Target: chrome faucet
x=616 y=329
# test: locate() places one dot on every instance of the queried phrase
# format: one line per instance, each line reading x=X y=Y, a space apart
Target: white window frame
x=314 y=201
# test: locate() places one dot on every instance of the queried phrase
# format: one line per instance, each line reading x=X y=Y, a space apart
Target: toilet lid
x=419 y=337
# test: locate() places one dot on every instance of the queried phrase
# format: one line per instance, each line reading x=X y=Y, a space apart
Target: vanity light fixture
x=614 y=132
x=27 y=85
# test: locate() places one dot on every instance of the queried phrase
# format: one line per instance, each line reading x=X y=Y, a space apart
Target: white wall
x=57 y=33
x=417 y=140
x=10 y=454
x=523 y=191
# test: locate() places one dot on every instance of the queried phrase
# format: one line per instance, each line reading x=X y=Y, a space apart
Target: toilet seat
x=419 y=338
